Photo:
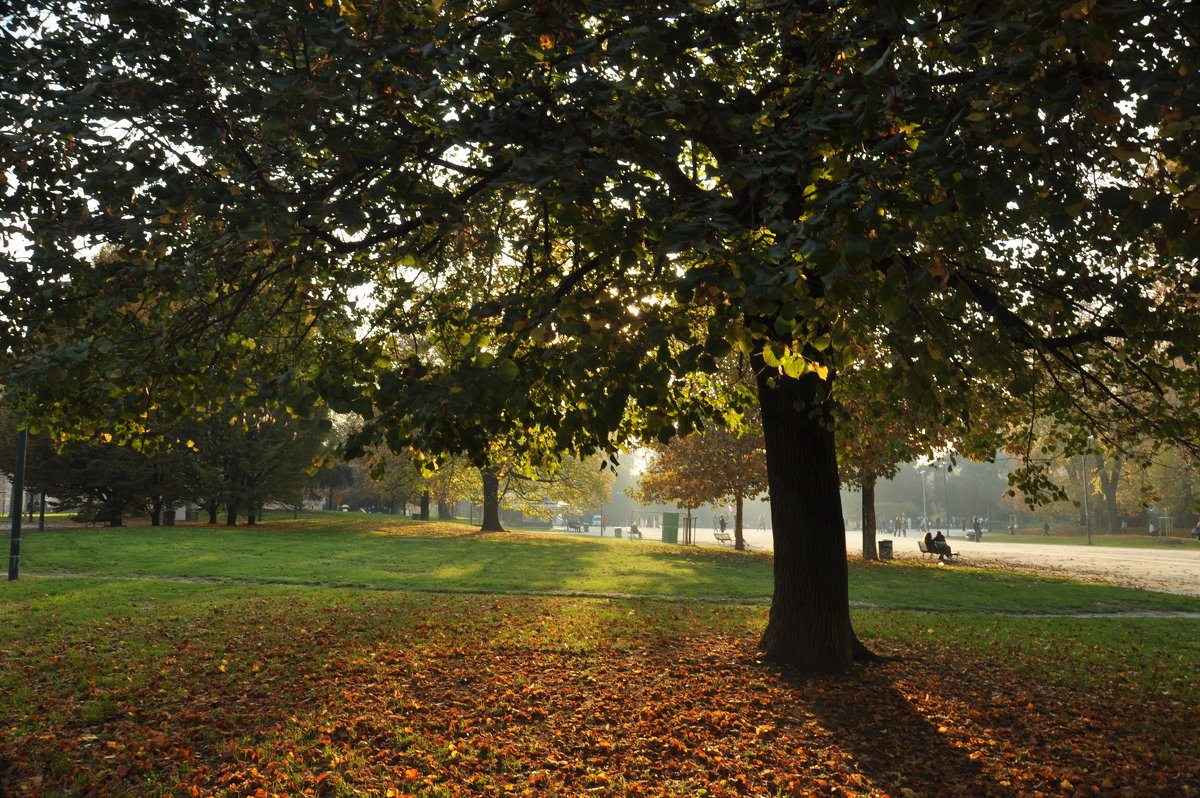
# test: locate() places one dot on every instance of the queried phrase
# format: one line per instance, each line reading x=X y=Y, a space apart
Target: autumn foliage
x=708 y=467
x=324 y=693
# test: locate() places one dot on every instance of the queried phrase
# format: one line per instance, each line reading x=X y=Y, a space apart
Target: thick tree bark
x=869 y=530
x=491 y=501
x=213 y=512
x=809 y=624
x=231 y=515
x=425 y=506
x=445 y=511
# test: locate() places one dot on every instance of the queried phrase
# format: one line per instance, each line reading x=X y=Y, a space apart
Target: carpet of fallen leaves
x=470 y=696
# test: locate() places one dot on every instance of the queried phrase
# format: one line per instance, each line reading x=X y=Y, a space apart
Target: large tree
x=707 y=467
x=1010 y=189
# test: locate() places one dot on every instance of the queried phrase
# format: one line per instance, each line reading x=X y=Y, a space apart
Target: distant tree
x=709 y=467
x=454 y=479
x=387 y=479
x=881 y=427
x=267 y=458
x=106 y=482
x=572 y=483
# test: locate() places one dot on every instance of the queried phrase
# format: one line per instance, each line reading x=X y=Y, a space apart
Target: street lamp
x=946 y=493
x=924 y=510
x=1087 y=519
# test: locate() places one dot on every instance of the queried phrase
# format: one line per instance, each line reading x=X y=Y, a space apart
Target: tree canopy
x=593 y=200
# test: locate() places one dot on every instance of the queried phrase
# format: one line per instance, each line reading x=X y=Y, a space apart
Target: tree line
x=227 y=467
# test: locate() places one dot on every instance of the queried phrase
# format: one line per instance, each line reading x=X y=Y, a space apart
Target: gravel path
x=1173 y=570
x=1167 y=570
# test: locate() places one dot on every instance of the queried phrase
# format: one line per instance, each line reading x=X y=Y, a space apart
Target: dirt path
x=1165 y=570
x=1174 y=570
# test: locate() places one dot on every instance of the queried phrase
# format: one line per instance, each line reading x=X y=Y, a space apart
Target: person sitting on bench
x=940 y=545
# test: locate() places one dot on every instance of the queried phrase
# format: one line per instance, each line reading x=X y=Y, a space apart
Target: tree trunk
x=809 y=623
x=252 y=512
x=491 y=501
x=739 y=541
x=445 y=511
x=213 y=513
x=425 y=506
x=1110 y=478
x=869 y=530
x=231 y=515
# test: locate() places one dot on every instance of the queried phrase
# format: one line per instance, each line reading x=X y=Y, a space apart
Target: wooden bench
x=722 y=536
x=925 y=550
x=634 y=532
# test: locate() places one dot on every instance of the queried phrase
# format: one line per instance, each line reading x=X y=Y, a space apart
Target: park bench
x=634 y=532
x=925 y=550
x=722 y=536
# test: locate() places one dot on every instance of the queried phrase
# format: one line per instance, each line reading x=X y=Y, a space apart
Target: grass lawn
x=466 y=673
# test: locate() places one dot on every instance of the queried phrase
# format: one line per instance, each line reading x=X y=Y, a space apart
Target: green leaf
x=894 y=307
x=794 y=366
x=774 y=354
x=507 y=369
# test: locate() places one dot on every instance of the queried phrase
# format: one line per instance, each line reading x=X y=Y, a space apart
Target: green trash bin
x=670 y=527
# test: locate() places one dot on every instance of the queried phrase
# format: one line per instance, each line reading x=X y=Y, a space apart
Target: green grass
x=360 y=551
x=184 y=572
x=357 y=550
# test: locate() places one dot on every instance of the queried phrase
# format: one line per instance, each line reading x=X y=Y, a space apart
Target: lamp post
x=946 y=493
x=1087 y=518
x=18 y=493
x=923 y=470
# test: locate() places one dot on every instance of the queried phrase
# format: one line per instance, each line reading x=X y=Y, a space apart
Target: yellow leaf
x=822 y=371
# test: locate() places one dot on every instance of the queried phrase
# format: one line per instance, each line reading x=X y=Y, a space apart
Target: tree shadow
x=895 y=744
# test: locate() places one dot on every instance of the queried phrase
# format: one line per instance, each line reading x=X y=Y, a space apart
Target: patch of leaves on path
x=388 y=695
